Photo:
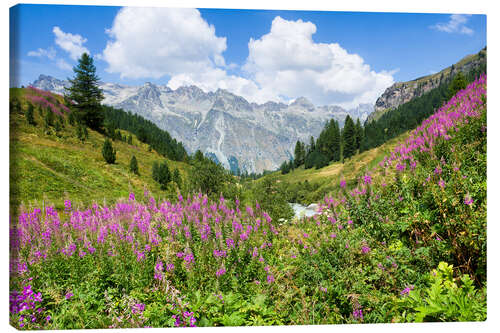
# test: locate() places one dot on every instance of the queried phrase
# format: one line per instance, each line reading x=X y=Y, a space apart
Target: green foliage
x=444 y=299
x=86 y=93
x=146 y=132
x=134 y=167
x=30 y=114
x=176 y=177
x=208 y=177
x=458 y=83
x=161 y=174
x=108 y=152
x=349 y=138
x=315 y=159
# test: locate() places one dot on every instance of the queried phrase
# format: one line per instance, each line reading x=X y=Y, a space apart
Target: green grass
x=326 y=180
x=46 y=169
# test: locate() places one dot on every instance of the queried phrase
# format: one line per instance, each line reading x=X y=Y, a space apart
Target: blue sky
x=340 y=58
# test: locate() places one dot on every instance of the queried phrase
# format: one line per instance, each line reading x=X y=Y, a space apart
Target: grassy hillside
x=46 y=168
x=406 y=243
x=311 y=185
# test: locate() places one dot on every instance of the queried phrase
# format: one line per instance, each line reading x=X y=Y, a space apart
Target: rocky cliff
x=402 y=92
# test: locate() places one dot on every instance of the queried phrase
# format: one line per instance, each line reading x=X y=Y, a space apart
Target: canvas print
x=184 y=167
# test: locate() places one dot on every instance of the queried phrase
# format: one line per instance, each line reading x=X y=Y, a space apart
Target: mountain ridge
x=258 y=136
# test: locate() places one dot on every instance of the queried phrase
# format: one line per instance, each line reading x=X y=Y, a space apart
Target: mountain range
x=241 y=135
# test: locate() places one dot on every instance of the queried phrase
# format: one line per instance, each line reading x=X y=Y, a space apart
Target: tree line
x=335 y=144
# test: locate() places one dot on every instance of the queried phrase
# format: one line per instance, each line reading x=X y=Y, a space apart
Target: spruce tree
x=108 y=152
x=359 y=133
x=134 y=167
x=129 y=139
x=86 y=94
x=176 y=177
x=29 y=115
x=349 y=138
x=161 y=174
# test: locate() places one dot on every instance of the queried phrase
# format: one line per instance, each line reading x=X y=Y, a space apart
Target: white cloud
x=283 y=64
x=73 y=44
x=456 y=24
x=49 y=53
x=154 y=42
x=287 y=62
x=62 y=64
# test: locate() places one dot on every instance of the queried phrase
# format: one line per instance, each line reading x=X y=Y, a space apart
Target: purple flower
x=407 y=290
x=270 y=278
x=69 y=295
x=368 y=179
x=220 y=272
x=441 y=183
x=365 y=249
x=342 y=183
x=131 y=197
x=468 y=200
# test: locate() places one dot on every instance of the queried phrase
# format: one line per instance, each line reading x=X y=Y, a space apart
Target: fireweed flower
x=67 y=205
x=407 y=290
x=358 y=314
x=468 y=200
x=365 y=249
x=368 y=179
x=131 y=196
x=342 y=183
x=441 y=183
x=220 y=272
x=270 y=278
x=69 y=295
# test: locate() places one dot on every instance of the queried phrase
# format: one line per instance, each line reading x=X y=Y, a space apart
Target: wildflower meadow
x=407 y=243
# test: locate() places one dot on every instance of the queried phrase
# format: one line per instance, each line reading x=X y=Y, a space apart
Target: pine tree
x=458 y=83
x=129 y=139
x=134 y=167
x=108 y=152
x=359 y=133
x=48 y=119
x=29 y=115
x=299 y=154
x=176 y=177
x=85 y=92
x=85 y=133
x=161 y=174
x=349 y=138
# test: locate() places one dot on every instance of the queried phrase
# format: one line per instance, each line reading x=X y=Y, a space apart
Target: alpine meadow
x=168 y=169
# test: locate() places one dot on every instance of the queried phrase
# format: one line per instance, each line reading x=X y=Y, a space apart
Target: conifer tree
x=134 y=167
x=86 y=94
x=176 y=177
x=29 y=115
x=359 y=133
x=161 y=174
x=108 y=152
x=349 y=138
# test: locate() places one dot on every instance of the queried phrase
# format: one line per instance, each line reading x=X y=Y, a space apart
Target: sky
x=341 y=58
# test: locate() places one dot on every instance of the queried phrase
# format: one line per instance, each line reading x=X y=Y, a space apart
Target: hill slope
x=46 y=166
x=403 y=92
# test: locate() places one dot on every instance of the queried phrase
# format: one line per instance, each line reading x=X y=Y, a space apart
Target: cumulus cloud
x=283 y=64
x=289 y=63
x=73 y=44
x=456 y=24
x=62 y=64
x=154 y=42
x=40 y=53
